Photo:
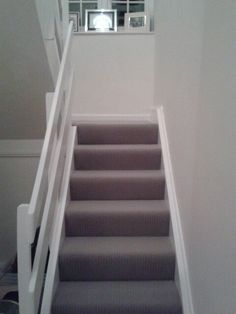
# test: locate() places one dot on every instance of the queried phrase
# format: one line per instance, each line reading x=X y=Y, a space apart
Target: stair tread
x=117 y=147
x=123 y=206
x=138 y=147
x=117 y=173
x=117 y=297
x=117 y=246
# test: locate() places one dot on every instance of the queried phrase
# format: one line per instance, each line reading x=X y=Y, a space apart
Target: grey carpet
x=117 y=218
x=117 y=157
x=117 y=185
x=117 y=133
x=117 y=257
x=115 y=297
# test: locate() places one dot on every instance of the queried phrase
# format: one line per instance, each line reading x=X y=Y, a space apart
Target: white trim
x=20 y=148
x=78 y=118
x=175 y=218
x=49 y=100
x=23 y=258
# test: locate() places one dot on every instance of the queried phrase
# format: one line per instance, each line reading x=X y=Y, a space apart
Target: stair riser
x=119 y=309
x=105 y=224
x=90 y=268
x=112 y=188
x=146 y=297
x=116 y=160
x=117 y=134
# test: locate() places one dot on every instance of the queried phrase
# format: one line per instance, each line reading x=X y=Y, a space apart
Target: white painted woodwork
x=48 y=192
x=182 y=264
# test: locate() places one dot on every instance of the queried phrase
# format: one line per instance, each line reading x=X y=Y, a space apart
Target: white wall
x=114 y=74
x=54 y=20
x=24 y=79
x=178 y=51
x=18 y=165
x=24 y=71
x=214 y=198
x=195 y=80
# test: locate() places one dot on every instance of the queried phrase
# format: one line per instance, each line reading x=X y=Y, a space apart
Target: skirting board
x=20 y=148
x=78 y=118
x=175 y=217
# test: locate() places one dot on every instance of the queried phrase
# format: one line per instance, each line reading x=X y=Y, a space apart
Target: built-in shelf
x=120 y=31
x=113 y=33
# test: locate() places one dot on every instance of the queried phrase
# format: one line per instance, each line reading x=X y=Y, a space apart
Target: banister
x=41 y=251
x=23 y=257
x=52 y=264
x=40 y=181
x=46 y=191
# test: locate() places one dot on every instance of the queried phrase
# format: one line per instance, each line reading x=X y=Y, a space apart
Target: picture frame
x=137 y=22
x=101 y=21
x=74 y=17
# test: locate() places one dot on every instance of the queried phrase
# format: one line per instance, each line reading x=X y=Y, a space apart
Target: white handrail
x=41 y=177
x=46 y=195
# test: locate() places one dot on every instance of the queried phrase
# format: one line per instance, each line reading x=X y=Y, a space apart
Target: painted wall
x=18 y=165
x=24 y=72
x=114 y=73
x=24 y=79
x=53 y=19
x=214 y=197
x=195 y=81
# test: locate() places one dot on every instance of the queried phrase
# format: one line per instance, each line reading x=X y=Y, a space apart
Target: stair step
x=141 y=133
x=117 y=218
x=117 y=185
x=118 y=297
x=117 y=258
x=117 y=157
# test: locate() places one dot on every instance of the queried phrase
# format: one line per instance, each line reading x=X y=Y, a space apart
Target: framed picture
x=101 y=21
x=74 y=17
x=137 y=22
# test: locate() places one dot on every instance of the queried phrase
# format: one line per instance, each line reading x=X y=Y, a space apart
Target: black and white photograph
x=137 y=22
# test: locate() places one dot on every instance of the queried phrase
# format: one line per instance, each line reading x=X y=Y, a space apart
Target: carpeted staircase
x=117 y=257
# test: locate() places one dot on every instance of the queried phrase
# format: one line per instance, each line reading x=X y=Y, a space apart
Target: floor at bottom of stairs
x=117 y=297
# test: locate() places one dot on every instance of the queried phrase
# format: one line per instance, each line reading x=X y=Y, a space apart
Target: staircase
x=117 y=257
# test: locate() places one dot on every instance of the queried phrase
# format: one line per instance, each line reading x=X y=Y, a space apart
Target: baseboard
x=20 y=148
x=175 y=218
x=78 y=118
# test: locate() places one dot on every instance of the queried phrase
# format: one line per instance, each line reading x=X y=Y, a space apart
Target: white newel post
x=23 y=258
